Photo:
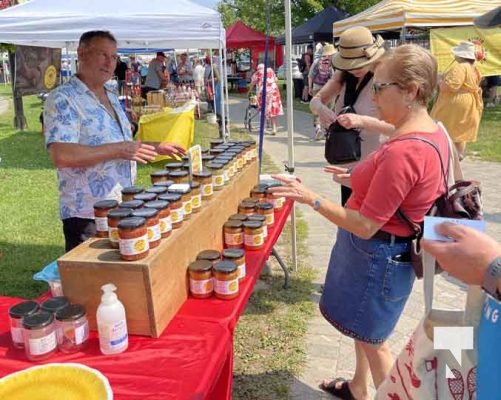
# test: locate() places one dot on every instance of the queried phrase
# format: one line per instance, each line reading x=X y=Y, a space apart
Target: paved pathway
x=330 y=354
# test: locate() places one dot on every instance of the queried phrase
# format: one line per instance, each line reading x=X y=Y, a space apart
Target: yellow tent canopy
x=395 y=15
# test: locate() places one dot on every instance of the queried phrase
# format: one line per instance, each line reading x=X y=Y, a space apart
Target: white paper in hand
x=430 y=223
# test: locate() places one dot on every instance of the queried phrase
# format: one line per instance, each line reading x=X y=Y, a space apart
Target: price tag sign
x=195 y=157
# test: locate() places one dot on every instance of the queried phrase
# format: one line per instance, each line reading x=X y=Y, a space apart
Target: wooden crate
x=152 y=289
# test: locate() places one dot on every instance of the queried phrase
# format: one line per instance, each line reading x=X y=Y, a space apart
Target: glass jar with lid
x=225 y=280
x=101 y=209
x=157 y=190
x=196 y=196
x=145 y=196
x=179 y=176
x=247 y=207
x=16 y=314
x=54 y=304
x=174 y=166
x=217 y=175
x=165 y=184
x=216 y=142
x=213 y=256
x=226 y=172
x=39 y=333
x=238 y=217
x=159 y=176
x=152 y=223
x=277 y=201
x=267 y=210
x=262 y=219
x=200 y=276
x=238 y=257
x=205 y=180
x=185 y=192
x=129 y=192
x=253 y=235
x=233 y=232
x=164 y=218
x=132 y=204
x=72 y=328
x=176 y=208
x=114 y=217
x=133 y=239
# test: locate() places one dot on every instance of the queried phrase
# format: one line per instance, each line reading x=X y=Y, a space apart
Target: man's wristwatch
x=491 y=278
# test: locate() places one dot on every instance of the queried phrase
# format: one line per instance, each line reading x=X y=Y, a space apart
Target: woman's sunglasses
x=377 y=87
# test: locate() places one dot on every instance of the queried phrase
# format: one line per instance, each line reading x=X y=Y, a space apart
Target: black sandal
x=343 y=392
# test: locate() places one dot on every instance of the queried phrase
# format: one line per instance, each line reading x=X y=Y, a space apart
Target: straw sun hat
x=465 y=50
x=357 y=49
x=328 y=50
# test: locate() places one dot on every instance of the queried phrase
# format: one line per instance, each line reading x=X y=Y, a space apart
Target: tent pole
x=224 y=108
x=403 y=33
x=290 y=123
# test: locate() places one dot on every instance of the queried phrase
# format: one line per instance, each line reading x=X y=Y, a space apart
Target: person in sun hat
x=320 y=73
x=459 y=104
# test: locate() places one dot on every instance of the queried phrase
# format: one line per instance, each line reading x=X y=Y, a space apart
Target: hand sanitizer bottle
x=111 y=322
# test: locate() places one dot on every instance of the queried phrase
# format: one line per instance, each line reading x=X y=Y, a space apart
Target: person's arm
x=168 y=148
x=331 y=89
x=366 y=122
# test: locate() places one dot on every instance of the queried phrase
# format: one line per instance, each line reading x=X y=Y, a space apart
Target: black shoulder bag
x=344 y=145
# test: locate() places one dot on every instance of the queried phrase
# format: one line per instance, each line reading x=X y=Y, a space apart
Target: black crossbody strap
x=351 y=95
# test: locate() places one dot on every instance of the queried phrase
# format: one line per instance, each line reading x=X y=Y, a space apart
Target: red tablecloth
x=192 y=359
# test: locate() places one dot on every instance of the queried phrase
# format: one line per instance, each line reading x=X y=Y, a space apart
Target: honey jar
x=277 y=201
x=207 y=158
x=114 y=217
x=133 y=238
x=217 y=175
x=157 y=190
x=145 y=196
x=166 y=183
x=226 y=173
x=213 y=256
x=247 y=207
x=16 y=314
x=266 y=209
x=132 y=204
x=233 y=232
x=101 y=209
x=238 y=257
x=258 y=192
x=200 y=276
x=179 y=176
x=129 y=192
x=39 y=334
x=185 y=192
x=72 y=328
x=152 y=223
x=164 y=218
x=176 y=208
x=196 y=197
x=238 y=217
x=159 y=176
x=231 y=166
x=262 y=219
x=205 y=180
x=253 y=235
x=174 y=166
x=225 y=280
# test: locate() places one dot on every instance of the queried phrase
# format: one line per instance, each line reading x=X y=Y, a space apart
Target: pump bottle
x=111 y=322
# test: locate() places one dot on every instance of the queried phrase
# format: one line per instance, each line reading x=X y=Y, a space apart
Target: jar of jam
x=16 y=314
x=159 y=176
x=132 y=204
x=206 y=158
x=217 y=175
x=277 y=201
x=231 y=166
x=164 y=218
x=238 y=257
x=174 y=166
x=185 y=193
x=72 y=328
x=216 y=142
x=176 y=208
x=233 y=232
x=258 y=192
x=196 y=197
x=114 y=217
x=152 y=225
x=145 y=196
x=253 y=235
x=201 y=282
x=266 y=209
x=213 y=256
x=133 y=238
x=157 y=190
x=225 y=163
x=54 y=304
x=101 y=209
x=39 y=333
x=205 y=180
x=165 y=184
x=247 y=207
x=262 y=219
x=238 y=217
x=179 y=176
x=225 y=280
x=129 y=192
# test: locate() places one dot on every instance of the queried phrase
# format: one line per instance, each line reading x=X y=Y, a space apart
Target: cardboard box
x=154 y=288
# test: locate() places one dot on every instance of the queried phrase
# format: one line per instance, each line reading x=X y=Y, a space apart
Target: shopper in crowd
x=198 y=77
x=214 y=90
x=370 y=276
x=157 y=77
x=120 y=72
x=320 y=73
x=459 y=103
x=185 y=69
x=491 y=84
x=89 y=138
x=305 y=63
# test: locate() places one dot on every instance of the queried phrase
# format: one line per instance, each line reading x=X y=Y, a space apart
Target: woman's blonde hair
x=412 y=65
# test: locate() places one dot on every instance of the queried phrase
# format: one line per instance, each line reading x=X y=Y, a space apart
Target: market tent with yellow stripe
x=397 y=15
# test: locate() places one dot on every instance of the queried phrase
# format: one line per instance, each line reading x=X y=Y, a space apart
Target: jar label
x=253 y=240
x=218 y=180
x=240 y=163
x=130 y=247
x=226 y=175
x=113 y=337
x=227 y=287
x=101 y=224
x=165 y=224
x=207 y=189
x=17 y=334
x=231 y=170
x=187 y=207
x=233 y=238
x=196 y=201
x=279 y=202
x=177 y=215
x=154 y=233
x=270 y=218
x=204 y=286
x=254 y=153
x=113 y=235
x=241 y=271
x=42 y=345
x=82 y=333
x=265 y=231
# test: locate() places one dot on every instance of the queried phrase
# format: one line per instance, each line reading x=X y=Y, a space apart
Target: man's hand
x=136 y=151
x=170 y=149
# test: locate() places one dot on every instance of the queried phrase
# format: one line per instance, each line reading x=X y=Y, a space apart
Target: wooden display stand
x=154 y=288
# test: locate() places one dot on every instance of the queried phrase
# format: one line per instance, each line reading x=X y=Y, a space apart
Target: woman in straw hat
x=459 y=104
x=370 y=276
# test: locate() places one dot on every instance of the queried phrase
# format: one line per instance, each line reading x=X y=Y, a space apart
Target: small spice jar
x=174 y=166
x=213 y=256
x=262 y=219
x=277 y=201
x=132 y=204
x=101 y=209
x=72 y=328
x=238 y=217
x=133 y=238
x=164 y=218
x=144 y=197
x=200 y=276
x=39 y=333
x=54 y=304
x=238 y=257
x=233 y=232
x=16 y=314
x=166 y=183
x=179 y=176
x=185 y=193
x=176 y=208
x=205 y=180
x=196 y=197
x=157 y=190
x=225 y=280
x=159 y=176
x=217 y=175
x=152 y=224
x=129 y=192
x=247 y=207
x=253 y=235
x=114 y=217
x=266 y=209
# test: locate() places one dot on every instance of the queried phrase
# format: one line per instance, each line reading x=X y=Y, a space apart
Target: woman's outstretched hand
x=293 y=189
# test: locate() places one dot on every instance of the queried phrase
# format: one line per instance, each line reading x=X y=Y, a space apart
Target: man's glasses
x=377 y=87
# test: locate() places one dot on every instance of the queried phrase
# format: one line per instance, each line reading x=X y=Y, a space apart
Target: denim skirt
x=365 y=289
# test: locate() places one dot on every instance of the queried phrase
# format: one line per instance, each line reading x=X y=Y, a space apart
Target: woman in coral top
x=459 y=105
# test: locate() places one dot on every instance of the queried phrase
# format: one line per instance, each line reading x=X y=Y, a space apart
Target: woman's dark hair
x=89 y=36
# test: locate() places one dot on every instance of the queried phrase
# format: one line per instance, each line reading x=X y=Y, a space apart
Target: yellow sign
x=195 y=155
x=486 y=41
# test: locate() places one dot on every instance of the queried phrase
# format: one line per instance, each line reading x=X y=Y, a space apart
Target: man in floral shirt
x=89 y=138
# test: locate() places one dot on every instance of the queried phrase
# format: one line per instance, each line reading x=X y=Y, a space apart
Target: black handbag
x=344 y=145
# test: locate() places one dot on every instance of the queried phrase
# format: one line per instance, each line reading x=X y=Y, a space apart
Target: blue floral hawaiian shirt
x=73 y=114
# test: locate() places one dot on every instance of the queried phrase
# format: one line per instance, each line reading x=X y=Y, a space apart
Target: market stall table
x=192 y=359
